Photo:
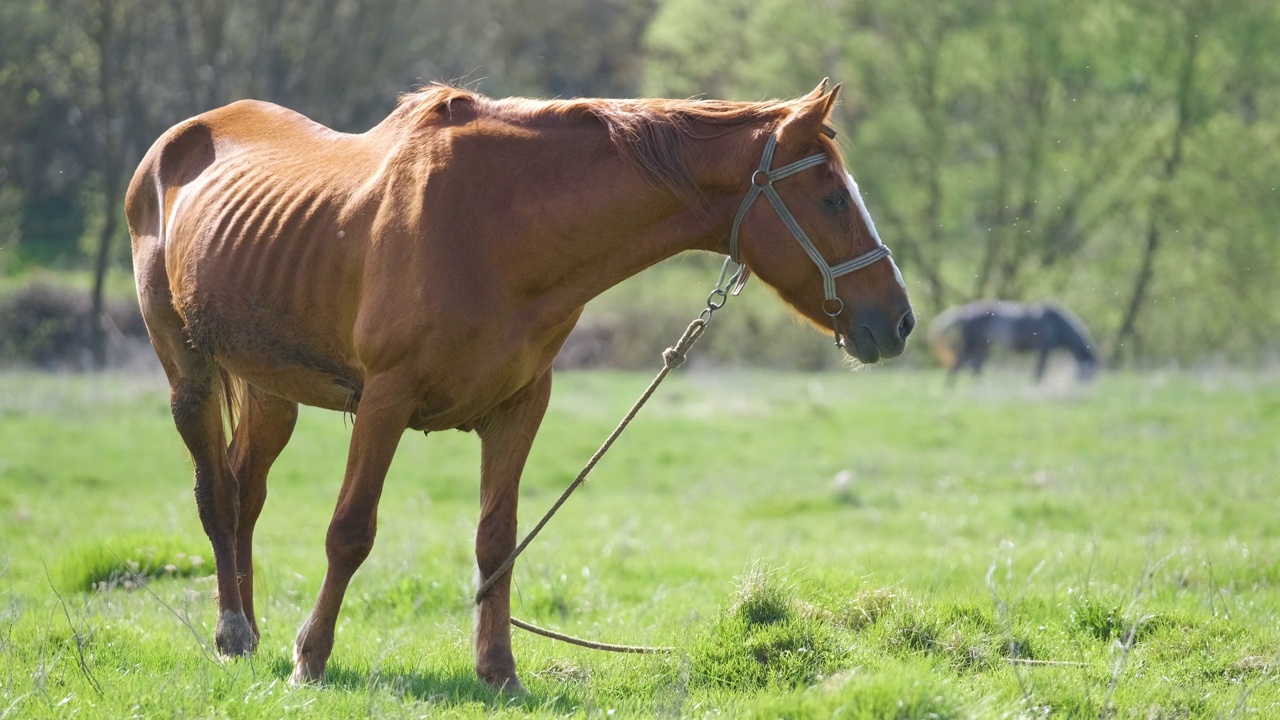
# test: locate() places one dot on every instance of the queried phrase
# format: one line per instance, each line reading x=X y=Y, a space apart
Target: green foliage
x=1007 y=149
x=42 y=323
x=1022 y=150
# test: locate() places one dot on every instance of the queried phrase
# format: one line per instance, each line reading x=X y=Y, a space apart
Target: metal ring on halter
x=717 y=299
x=839 y=307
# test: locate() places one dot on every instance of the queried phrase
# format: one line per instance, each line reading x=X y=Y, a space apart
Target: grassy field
x=861 y=544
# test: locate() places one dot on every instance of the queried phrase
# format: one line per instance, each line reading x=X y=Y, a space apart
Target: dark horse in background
x=961 y=336
x=424 y=274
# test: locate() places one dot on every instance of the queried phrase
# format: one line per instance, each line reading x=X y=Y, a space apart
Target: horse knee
x=348 y=545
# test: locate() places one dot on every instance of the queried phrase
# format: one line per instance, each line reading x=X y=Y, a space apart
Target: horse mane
x=649 y=134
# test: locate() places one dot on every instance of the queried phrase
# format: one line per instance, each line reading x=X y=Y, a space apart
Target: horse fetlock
x=306 y=672
x=502 y=680
x=496 y=666
x=234 y=635
x=310 y=654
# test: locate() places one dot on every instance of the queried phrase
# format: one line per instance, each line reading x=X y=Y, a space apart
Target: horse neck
x=613 y=223
x=1072 y=337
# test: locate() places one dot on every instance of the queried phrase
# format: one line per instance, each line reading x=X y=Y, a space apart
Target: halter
x=762 y=184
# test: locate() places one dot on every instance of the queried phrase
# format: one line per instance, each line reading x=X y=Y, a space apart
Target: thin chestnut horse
x=424 y=274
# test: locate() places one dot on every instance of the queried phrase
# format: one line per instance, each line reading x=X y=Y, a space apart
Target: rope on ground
x=640 y=649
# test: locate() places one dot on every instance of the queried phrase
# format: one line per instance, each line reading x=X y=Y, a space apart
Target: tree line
x=1120 y=156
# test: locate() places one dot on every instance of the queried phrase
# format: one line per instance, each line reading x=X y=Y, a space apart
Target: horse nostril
x=907 y=324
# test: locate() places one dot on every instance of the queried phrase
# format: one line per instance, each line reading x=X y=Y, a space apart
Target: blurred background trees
x=1121 y=156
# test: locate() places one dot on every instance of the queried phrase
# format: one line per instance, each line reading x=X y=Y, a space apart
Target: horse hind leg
x=265 y=425
x=196 y=400
x=198 y=389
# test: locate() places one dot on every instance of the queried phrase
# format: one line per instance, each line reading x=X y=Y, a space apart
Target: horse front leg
x=1042 y=361
x=506 y=435
x=381 y=419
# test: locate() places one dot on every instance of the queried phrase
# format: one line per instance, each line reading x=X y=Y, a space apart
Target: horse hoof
x=498 y=670
x=303 y=676
x=308 y=668
x=234 y=635
x=510 y=687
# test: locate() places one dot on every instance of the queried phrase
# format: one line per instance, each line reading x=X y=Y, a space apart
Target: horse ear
x=830 y=101
x=811 y=114
x=819 y=91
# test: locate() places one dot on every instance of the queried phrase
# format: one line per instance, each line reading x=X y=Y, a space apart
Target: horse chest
x=461 y=387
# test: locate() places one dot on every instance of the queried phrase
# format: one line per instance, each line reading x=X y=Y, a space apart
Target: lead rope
x=730 y=282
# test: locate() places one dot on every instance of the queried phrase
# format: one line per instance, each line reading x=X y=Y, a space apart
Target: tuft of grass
x=867 y=608
x=410 y=596
x=763 y=598
x=962 y=635
x=764 y=640
x=123 y=561
x=1108 y=621
x=906 y=691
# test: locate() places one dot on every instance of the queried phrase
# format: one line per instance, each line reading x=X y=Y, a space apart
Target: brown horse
x=425 y=273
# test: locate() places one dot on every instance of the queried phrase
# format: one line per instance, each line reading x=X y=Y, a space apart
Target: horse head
x=813 y=241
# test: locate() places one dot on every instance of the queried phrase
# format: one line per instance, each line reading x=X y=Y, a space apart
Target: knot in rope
x=674 y=356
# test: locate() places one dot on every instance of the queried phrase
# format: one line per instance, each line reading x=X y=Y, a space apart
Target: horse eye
x=837 y=202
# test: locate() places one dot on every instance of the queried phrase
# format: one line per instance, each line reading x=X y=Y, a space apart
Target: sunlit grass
x=869 y=544
x=130 y=560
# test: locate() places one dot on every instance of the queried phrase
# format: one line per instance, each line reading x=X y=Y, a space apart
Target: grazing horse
x=424 y=274
x=962 y=335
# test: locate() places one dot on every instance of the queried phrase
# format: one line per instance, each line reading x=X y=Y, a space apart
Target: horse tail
x=233 y=389
x=943 y=338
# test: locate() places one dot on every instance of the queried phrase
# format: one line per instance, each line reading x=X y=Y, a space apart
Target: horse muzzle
x=872 y=336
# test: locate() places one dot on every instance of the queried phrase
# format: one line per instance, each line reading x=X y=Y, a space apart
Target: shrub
x=46 y=325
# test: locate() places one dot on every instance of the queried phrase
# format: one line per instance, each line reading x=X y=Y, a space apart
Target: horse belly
x=298 y=352
x=298 y=383
x=274 y=352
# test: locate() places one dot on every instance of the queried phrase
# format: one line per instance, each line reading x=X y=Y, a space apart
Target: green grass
x=992 y=551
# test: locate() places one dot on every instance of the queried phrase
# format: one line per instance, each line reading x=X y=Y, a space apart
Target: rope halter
x=762 y=181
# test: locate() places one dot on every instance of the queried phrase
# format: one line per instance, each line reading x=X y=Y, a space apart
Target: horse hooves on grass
x=511 y=687
x=302 y=677
x=234 y=635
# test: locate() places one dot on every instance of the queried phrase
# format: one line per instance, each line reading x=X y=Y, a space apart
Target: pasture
x=995 y=550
